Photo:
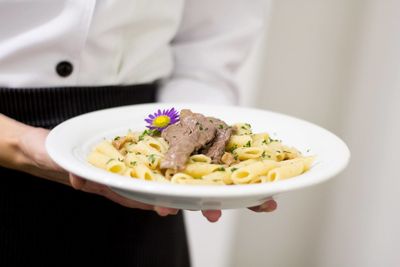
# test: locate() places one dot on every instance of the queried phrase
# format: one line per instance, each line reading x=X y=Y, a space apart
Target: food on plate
x=191 y=148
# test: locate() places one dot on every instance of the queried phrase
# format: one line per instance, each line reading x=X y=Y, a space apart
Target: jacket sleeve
x=213 y=41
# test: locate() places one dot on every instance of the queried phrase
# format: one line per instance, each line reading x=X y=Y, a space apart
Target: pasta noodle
x=249 y=158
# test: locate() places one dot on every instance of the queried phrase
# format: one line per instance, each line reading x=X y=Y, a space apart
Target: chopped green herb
x=274 y=140
x=221 y=126
x=233 y=169
x=133 y=163
x=109 y=161
x=221 y=169
x=144 y=133
x=233 y=148
x=248 y=125
x=248 y=144
x=117 y=138
x=263 y=154
x=235 y=157
x=265 y=142
x=152 y=158
x=201 y=128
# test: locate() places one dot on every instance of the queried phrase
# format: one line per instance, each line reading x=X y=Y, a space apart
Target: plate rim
x=196 y=191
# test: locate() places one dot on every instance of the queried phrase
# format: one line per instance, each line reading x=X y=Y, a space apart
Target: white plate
x=69 y=143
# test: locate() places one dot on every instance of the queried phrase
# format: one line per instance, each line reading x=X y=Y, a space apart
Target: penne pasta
x=250 y=172
x=199 y=158
x=247 y=159
x=244 y=153
x=200 y=169
x=105 y=162
x=107 y=149
x=238 y=141
x=144 y=173
x=242 y=129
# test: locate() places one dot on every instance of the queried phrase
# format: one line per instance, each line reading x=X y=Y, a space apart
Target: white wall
x=363 y=215
x=335 y=63
x=303 y=71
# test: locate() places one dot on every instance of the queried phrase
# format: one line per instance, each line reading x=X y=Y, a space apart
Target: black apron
x=44 y=223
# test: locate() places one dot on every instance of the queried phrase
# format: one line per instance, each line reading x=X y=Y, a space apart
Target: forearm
x=10 y=154
x=22 y=149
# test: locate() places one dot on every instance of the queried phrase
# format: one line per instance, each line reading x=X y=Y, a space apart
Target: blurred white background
x=335 y=63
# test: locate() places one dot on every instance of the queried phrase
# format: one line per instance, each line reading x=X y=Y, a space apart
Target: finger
x=163 y=211
x=267 y=206
x=212 y=215
x=129 y=203
x=76 y=182
x=95 y=188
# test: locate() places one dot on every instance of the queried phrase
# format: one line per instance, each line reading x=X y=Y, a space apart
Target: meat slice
x=193 y=132
x=217 y=148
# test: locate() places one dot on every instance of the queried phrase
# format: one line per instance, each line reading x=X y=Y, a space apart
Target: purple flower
x=162 y=119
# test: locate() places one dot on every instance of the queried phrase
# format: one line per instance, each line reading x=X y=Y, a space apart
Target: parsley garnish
x=233 y=169
x=152 y=158
x=233 y=148
x=220 y=169
x=274 y=140
x=248 y=144
x=144 y=133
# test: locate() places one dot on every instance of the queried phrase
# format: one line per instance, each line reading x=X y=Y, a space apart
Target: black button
x=64 y=68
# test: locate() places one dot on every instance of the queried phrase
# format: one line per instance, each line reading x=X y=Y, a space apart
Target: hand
x=35 y=160
x=267 y=206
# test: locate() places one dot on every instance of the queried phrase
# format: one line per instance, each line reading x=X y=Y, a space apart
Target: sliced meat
x=193 y=132
x=217 y=148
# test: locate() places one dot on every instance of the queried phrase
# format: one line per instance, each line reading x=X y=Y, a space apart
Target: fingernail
x=173 y=211
x=268 y=206
x=161 y=211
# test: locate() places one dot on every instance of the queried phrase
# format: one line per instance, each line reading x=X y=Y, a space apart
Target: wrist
x=11 y=154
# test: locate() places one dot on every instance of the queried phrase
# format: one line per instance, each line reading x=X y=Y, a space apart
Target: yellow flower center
x=161 y=121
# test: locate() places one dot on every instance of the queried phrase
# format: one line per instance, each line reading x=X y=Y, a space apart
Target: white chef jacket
x=194 y=46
